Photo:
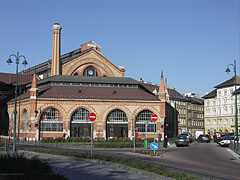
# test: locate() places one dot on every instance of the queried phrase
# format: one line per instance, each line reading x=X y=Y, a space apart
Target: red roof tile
x=73 y=92
x=11 y=79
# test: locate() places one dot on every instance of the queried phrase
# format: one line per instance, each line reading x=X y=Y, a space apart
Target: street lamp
x=236 y=114
x=9 y=61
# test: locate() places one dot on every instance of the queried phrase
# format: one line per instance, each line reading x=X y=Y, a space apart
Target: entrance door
x=123 y=132
x=75 y=132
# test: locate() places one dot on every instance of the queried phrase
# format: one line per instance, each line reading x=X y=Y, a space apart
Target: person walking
x=165 y=142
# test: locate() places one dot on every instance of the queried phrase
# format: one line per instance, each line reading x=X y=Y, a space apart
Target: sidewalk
x=76 y=169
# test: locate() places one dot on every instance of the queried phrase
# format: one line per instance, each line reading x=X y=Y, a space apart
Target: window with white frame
x=51 y=120
x=143 y=119
x=208 y=122
x=225 y=121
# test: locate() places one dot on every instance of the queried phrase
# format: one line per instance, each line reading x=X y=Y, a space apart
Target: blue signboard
x=212 y=129
x=154 y=146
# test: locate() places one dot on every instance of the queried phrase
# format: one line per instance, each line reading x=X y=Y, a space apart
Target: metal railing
x=234 y=146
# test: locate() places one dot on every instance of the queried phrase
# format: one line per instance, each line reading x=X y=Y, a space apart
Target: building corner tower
x=56 y=68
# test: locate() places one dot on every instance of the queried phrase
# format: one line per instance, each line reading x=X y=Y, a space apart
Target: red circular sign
x=92 y=116
x=136 y=134
x=154 y=117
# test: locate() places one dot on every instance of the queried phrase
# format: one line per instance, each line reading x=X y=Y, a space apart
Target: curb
x=235 y=155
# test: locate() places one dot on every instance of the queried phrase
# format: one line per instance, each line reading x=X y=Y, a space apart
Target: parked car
x=189 y=136
x=223 y=137
x=182 y=140
x=219 y=136
x=204 y=138
x=227 y=141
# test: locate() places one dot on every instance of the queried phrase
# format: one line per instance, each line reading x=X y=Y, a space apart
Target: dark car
x=204 y=138
x=189 y=136
x=182 y=140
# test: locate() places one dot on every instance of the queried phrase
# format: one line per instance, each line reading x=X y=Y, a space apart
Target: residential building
x=219 y=107
x=189 y=108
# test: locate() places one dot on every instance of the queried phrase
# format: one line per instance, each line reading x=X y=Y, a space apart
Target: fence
x=235 y=147
x=81 y=143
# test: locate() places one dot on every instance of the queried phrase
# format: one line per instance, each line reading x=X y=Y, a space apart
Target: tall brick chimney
x=56 y=68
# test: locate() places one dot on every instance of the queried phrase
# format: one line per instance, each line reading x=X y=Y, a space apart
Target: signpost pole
x=91 y=138
x=146 y=123
x=92 y=117
x=154 y=118
x=133 y=136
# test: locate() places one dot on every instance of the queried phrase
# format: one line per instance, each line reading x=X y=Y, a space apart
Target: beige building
x=219 y=107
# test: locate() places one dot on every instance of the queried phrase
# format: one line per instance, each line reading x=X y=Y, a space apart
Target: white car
x=227 y=141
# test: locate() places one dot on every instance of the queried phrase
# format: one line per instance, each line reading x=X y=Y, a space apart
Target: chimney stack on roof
x=89 y=45
x=56 y=68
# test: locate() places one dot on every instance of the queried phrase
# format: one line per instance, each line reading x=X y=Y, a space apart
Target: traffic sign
x=154 y=146
x=136 y=134
x=154 y=117
x=92 y=116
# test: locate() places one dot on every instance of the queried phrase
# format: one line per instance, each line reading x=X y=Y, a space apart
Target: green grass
x=157 y=169
x=29 y=168
x=98 y=143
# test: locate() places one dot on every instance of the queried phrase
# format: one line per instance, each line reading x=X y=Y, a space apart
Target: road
x=207 y=160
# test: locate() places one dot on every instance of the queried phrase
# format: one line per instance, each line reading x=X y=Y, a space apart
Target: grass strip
x=157 y=169
x=17 y=167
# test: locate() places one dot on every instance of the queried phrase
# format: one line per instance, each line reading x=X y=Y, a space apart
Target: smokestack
x=56 y=68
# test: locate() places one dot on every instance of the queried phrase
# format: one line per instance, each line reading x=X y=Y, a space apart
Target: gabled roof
x=193 y=100
x=172 y=93
x=64 y=59
x=229 y=82
x=85 y=87
x=212 y=94
x=109 y=93
x=10 y=79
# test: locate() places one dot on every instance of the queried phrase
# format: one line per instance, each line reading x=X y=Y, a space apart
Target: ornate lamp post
x=236 y=109
x=9 y=61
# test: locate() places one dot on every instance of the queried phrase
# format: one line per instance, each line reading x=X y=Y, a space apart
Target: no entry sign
x=92 y=116
x=154 y=117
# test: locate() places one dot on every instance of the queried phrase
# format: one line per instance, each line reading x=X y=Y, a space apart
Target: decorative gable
x=91 y=63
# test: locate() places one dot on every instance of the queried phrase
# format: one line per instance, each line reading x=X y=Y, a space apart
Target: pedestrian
x=165 y=141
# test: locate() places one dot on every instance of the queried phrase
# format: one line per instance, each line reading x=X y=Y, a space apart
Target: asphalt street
x=206 y=160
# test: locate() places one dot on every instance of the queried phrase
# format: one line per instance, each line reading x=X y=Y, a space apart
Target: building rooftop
x=212 y=94
x=229 y=82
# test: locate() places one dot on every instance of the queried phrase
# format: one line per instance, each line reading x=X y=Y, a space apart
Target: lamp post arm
x=22 y=57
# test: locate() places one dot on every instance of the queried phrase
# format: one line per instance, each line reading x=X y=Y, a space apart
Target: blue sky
x=191 y=41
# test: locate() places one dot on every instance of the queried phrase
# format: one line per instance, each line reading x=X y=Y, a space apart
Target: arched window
x=117 y=124
x=117 y=116
x=51 y=120
x=80 y=124
x=90 y=71
x=75 y=74
x=80 y=115
x=143 y=119
x=25 y=117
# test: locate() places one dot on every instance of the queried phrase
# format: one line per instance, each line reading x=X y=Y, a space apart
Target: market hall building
x=65 y=90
